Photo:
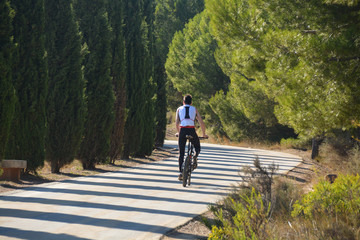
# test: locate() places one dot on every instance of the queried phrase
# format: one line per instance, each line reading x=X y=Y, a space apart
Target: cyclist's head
x=188 y=99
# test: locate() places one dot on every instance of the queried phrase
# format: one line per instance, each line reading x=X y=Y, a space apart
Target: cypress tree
x=6 y=90
x=65 y=101
x=140 y=120
x=99 y=92
x=160 y=51
x=147 y=142
x=30 y=81
x=165 y=25
x=118 y=75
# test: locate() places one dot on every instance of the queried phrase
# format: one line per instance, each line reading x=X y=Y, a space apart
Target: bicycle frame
x=190 y=149
x=188 y=165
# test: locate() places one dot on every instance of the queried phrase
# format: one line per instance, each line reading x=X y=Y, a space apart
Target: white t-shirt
x=187 y=115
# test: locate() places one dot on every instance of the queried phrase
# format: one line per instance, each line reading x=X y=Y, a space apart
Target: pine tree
x=6 y=91
x=27 y=138
x=65 y=101
x=118 y=74
x=302 y=55
x=170 y=16
x=191 y=64
x=94 y=25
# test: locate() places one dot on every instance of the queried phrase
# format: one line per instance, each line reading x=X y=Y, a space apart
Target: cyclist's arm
x=202 y=124
x=177 y=122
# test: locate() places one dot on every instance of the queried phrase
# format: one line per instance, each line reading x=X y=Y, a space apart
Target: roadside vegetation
x=268 y=206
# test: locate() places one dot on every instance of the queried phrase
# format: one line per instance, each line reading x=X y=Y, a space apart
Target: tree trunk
x=88 y=165
x=316 y=142
x=55 y=166
x=126 y=153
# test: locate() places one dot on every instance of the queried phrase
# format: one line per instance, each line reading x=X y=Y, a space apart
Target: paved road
x=138 y=203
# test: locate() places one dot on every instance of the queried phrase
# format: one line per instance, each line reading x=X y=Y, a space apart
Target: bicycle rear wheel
x=185 y=171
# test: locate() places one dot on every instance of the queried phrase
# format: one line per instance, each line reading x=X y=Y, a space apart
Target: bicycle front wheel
x=185 y=171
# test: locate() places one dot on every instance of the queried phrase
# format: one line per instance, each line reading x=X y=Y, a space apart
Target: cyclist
x=185 y=125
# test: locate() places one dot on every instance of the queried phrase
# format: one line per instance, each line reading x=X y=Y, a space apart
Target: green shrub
x=340 y=200
x=257 y=208
x=249 y=222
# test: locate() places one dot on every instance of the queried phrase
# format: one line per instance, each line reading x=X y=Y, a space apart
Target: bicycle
x=189 y=164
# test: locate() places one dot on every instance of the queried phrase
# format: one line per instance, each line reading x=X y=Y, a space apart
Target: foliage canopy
x=297 y=59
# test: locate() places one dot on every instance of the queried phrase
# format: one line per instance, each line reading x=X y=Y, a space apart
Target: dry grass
x=354 y=161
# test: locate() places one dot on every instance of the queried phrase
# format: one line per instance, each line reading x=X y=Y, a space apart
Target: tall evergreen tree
x=6 y=91
x=147 y=143
x=65 y=102
x=118 y=74
x=94 y=25
x=164 y=28
x=139 y=72
x=30 y=81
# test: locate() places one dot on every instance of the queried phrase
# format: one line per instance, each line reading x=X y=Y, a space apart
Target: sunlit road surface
x=143 y=202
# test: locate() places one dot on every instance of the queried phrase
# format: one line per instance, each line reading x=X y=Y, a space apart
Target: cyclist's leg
x=195 y=142
x=182 y=144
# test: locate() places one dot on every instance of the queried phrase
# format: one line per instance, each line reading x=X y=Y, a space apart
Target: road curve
x=143 y=202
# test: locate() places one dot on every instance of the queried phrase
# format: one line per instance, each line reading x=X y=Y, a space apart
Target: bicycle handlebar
x=189 y=137
x=200 y=138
